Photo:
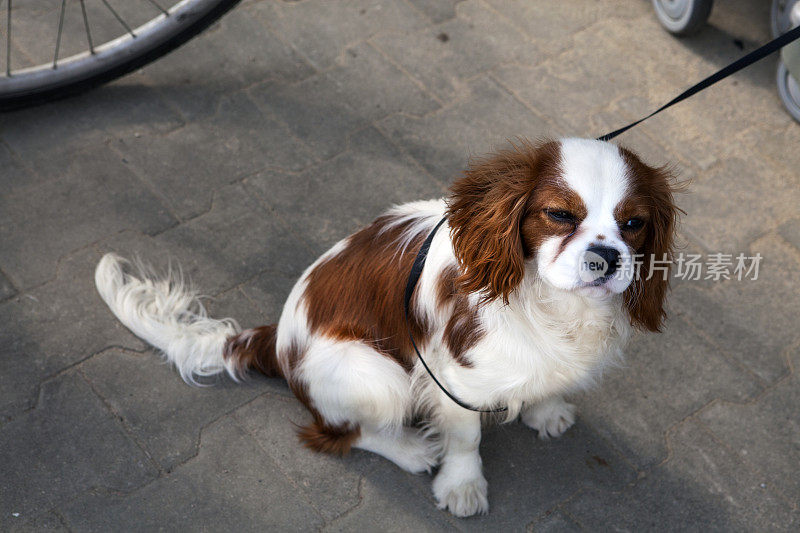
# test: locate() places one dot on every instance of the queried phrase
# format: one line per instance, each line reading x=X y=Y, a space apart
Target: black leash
x=422 y=255
x=756 y=55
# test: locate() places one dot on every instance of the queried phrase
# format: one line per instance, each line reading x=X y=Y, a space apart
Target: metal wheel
x=682 y=17
x=785 y=16
x=781 y=16
x=789 y=90
x=143 y=30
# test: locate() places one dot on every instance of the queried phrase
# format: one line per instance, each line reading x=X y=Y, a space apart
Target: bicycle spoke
x=86 y=25
x=110 y=53
x=8 y=40
x=60 y=27
x=159 y=7
x=116 y=15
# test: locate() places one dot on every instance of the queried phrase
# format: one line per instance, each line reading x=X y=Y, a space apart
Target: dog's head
x=582 y=215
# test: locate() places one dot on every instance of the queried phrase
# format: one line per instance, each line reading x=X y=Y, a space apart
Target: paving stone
x=230 y=486
x=665 y=378
x=187 y=165
x=97 y=196
x=235 y=241
x=375 y=88
x=528 y=476
x=268 y=292
x=731 y=316
x=321 y=30
x=751 y=203
x=589 y=76
x=67 y=445
x=442 y=142
x=701 y=487
x=51 y=138
x=313 y=111
x=686 y=251
x=746 y=20
x=325 y=204
x=772 y=418
x=791 y=232
x=233 y=54
x=324 y=110
x=563 y=18
x=444 y=57
x=437 y=10
x=46 y=522
x=408 y=510
x=7 y=290
x=330 y=483
x=47 y=329
x=164 y=414
x=554 y=521
x=14 y=176
x=774 y=145
x=234 y=304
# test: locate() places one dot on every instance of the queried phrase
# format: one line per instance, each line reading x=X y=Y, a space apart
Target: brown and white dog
x=503 y=311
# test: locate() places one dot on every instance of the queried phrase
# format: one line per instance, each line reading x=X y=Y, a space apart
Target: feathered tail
x=168 y=315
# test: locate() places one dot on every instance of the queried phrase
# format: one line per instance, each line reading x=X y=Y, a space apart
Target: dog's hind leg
x=359 y=398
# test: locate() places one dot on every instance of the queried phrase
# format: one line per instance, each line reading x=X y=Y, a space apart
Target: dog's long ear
x=645 y=297
x=485 y=212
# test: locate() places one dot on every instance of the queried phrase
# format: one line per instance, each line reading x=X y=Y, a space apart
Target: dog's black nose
x=609 y=255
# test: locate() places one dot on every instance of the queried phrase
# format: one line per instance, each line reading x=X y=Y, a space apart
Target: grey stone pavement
x=246 y=153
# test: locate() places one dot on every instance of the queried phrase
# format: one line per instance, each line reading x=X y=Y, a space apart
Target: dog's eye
x=633 y=224
x=559 y=215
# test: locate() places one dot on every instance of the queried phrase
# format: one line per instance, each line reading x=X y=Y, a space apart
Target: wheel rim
x=784 y=15
x=789 y=91
x=104 y=56
x=675 y=9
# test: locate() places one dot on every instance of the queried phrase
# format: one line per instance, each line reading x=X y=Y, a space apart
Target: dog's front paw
x=550 y=418
x=462 y=496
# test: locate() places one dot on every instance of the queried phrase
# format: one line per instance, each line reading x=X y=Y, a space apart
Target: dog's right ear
x=485 y=212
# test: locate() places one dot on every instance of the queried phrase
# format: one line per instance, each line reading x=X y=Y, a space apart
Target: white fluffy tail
x=168 y=315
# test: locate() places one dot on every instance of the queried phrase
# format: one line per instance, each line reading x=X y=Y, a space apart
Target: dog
x=503 y=310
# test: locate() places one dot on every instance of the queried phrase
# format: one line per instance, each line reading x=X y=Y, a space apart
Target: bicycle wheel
x=98 y=64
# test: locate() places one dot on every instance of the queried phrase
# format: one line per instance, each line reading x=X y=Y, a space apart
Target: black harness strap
x=413 y=279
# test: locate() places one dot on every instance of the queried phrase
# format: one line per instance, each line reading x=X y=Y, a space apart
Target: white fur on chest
x=543 y=343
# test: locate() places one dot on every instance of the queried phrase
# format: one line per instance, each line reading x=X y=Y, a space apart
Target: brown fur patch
x=494 y=227
x=254 y=349
x=320 y=437
x=463 y=329
x=651 y=200
x=552 y=194
x=357 y=294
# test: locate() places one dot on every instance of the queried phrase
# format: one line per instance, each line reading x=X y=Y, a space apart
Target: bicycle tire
x=16 y=94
